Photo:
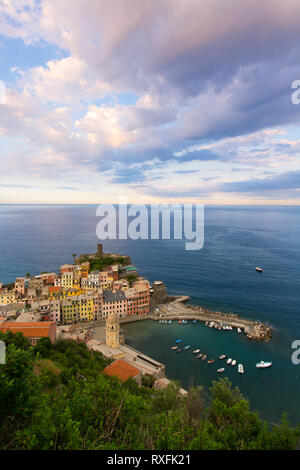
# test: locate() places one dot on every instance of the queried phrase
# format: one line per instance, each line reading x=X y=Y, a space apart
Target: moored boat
x=263 y=365
x=259 y=270
x=221 y=370
x=233 y=363
x=174 y=348
x=178 y=341
x=187 y=347
x=196 y=351
x=210 y=361
x=199 y=355
x=229 y=360
x=222 y=356
x=239 y=330
x=178 y=350
x=204 y=357
x=240 y=368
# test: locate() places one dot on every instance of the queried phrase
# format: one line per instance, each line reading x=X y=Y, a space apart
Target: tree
x=43 y=346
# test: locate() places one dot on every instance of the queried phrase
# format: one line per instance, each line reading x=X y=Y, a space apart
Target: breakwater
x=254 y=330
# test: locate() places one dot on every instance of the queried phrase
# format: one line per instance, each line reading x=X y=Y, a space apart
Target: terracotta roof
x=33 y=329
x=122 y=370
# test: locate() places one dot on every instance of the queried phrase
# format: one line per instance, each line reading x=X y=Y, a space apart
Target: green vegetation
x=131 y=278
x=100 y=263
x=9 y=286
x=56 y=397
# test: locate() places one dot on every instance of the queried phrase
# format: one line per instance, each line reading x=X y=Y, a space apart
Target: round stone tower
x=113 y=331
x=99 y=249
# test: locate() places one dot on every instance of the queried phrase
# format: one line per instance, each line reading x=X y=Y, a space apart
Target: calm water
x=220 y=276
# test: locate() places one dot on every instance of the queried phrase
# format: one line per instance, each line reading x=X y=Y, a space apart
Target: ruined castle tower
x=99 y=249
x=112 y=331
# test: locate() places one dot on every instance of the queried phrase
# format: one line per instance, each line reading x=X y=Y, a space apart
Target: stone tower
x=112 y=331
x=99 y=249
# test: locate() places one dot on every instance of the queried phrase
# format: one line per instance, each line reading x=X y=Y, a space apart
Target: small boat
x=174 y=348
x=233 y=363
x=187 y=347
x=196 y=351
x=178 y=341
x=199 y=355
x=210 y=361
x=229 y=360
x=178 y=350
x=204 y=357
x=240 y=369
x=263 y=365
x=259 y=270
x=206 y=323
x=179 y=321
x=194 y=321
x=222 y=356
x=221 y=370
x=239 y=330
x=170 y=321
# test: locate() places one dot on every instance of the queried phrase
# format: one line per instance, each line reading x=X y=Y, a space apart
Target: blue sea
x=221 y=276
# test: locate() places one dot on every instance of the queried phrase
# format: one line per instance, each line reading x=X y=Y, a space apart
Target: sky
x=152 y=101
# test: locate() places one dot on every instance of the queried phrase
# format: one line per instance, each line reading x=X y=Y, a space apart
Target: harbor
x=258 y=384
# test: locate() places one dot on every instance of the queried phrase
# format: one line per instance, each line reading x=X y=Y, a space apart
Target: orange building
x=123 y=371
x=33 y=331
x=54 y=292
x=85 y=268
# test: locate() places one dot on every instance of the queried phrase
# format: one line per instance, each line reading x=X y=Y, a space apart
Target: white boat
x=239 y=330
x=240 y=368
x=221 y=370
x=222 y=356
x=263 y=365
x=233 y=363
x=259 y=270
x=196 y=351
x=229 y=360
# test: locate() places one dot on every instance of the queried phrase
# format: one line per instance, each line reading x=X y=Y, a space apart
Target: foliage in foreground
x=56 y=397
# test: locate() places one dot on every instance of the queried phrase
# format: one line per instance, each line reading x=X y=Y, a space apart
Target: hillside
x=56 y=397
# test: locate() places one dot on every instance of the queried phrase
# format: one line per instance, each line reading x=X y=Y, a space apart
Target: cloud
x=211 y=81
x=282 y=182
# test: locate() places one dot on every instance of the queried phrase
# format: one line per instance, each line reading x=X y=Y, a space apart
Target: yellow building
x=86 y=308
x=79 y=308
x=7 y=297
x=67 y=293
x=67 y=280
x=70 y=310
